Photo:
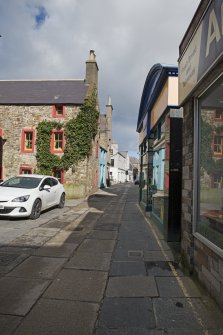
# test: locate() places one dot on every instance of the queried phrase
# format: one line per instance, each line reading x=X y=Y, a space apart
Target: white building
x=120 y=165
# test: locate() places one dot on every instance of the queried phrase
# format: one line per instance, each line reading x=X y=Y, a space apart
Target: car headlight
x=21 y=199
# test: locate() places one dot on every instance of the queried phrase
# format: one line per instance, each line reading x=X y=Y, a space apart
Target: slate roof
x=42 y=92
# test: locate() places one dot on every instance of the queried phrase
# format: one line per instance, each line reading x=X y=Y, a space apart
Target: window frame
x=26 y=168
x=23 y=140
x=55 y=113
x=52 y=144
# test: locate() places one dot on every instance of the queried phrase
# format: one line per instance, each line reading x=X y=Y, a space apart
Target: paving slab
x=8 y=324
x=78 y=285
x=59 y=318
x=158 y=256
x=90 y=261
x=75 y=238
x=30 y=241
x=103 y=235
x=128 y=331
x=18 y=295
x=8 y=261
x=38 y=267
x=162 y=269
x=177 y=287
x=97 y=245
x=134 y=286
x=143 y=244
x=126 y=313
x=128 y=269
x=179 y=314
x=105 y=226
x=124 y=254
x=65 y=250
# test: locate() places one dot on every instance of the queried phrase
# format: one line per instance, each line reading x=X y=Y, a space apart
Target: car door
x=55 y=190
x=47 y=194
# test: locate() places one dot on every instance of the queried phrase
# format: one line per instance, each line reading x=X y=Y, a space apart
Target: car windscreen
x=22 y=182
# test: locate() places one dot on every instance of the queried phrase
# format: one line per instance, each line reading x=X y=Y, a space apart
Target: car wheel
x=62 y=201
x=36 y=210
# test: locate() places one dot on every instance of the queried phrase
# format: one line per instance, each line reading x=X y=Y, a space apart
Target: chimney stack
x=92 y=71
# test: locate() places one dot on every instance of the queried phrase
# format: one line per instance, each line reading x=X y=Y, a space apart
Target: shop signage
x=205 y=48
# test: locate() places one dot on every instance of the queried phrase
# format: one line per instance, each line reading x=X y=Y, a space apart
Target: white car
x=27 y=195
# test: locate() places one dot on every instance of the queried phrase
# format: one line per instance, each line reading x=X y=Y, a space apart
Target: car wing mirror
x=46 y=187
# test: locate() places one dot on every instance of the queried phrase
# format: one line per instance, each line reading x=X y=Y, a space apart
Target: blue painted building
x=102 y=167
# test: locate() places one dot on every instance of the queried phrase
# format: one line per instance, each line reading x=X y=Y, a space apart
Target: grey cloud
x=128 y=36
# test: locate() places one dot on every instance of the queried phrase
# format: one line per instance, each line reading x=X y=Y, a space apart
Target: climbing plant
x=46 y=161
x=79 y=133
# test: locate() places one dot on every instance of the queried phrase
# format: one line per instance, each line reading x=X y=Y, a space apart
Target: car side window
x=54 y=182
x=46 y=181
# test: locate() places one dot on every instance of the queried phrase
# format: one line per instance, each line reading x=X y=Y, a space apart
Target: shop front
x=201 y=96
x=160 y=136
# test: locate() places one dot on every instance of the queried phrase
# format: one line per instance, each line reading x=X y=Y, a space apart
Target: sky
x=51 y=39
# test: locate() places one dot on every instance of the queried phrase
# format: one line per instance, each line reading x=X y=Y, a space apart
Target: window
x=58 y=111
x=112 y=162
x=25 y=169
x=57 y=142
x=218 y=115
x=218 y=145
x=27 y=140
x=59 y=174
x=209 y=169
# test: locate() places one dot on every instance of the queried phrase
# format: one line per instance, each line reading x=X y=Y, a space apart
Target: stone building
x=26 y=103
x=200 y=95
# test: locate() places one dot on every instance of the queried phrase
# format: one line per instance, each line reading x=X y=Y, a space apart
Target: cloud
x=128 y=37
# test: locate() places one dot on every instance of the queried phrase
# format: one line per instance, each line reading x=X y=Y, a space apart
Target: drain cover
x=135 y=253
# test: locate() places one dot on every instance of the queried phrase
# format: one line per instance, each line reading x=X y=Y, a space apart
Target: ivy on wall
x=79 y=133
x=46 y=161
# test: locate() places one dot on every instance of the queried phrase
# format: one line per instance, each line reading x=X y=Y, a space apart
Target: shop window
x=57 y=141
x=24 y=169
x=209 y=209
x=58 y=111
x=27 y=141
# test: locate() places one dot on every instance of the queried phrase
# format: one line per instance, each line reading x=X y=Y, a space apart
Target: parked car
x=28 y=195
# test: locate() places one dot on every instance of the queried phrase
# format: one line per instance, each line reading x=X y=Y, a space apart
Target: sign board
x=205 y=48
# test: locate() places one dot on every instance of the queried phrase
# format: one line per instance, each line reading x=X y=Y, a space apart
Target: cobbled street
x=97 y=267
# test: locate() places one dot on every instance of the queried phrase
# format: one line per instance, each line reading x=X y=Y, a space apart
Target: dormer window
x=58 y=111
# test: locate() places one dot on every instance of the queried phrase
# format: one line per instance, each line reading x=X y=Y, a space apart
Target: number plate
x=1 y=207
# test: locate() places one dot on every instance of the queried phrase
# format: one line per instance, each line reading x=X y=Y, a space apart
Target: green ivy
x=79 y=133
x=46 y=161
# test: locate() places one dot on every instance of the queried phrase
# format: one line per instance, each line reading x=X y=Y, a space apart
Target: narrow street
x=97 y=268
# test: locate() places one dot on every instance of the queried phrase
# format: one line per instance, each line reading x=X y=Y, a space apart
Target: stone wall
x=78 y=183
x=187 y=183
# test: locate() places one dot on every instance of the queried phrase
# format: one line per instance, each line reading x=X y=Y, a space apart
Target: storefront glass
x=210 y=165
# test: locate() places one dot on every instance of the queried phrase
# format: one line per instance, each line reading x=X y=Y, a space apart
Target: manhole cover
x=6 y=259
x=135 y=253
